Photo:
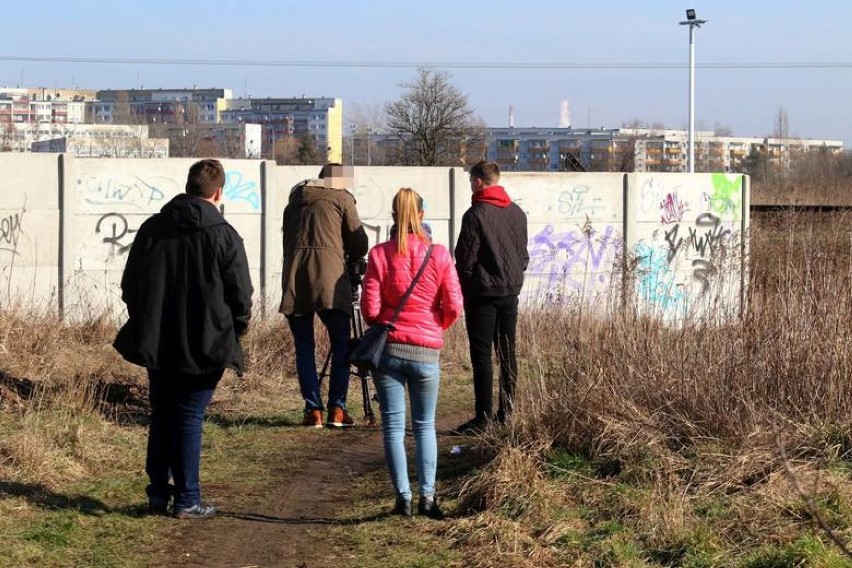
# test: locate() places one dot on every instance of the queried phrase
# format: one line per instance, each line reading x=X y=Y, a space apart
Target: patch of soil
x=288 y=524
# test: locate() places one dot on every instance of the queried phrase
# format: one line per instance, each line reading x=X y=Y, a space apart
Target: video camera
x=355 y=268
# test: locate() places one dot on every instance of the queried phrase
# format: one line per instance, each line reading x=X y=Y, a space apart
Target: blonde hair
x=407 y=206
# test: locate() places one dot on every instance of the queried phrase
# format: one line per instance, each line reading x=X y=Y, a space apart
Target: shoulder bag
x=367 y=350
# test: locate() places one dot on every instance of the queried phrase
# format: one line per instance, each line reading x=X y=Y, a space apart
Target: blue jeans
x=337 y=323
x=423 y=380
x=178 y=401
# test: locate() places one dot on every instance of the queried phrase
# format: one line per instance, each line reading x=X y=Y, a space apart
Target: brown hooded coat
x=321 y=230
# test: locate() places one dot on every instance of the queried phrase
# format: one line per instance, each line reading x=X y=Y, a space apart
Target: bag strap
x=411 y=286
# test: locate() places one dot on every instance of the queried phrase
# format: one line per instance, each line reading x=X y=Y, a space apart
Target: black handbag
x=367 y=350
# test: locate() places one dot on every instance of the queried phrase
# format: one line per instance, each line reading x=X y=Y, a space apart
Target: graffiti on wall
x=140 y=193
x=577 y=201
x=688 y=255
x=10 y=232
x=149 y=193
x=237 y=188
x=116 y=233
x=578 y=262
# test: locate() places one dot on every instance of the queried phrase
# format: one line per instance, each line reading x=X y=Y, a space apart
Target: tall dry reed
x=596 y=383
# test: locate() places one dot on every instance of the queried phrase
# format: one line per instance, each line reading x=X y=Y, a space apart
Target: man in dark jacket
x=188 y=292
x=491 y=257
x=322 y=231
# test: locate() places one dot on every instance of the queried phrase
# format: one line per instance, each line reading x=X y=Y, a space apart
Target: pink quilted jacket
x=434 y=304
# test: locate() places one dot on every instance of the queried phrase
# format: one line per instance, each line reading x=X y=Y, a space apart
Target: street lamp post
x=369 y=161
x=693 y=23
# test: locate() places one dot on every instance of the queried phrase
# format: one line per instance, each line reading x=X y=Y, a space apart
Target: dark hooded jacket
x=321 y=230
x=491 y=251
x=188 y=292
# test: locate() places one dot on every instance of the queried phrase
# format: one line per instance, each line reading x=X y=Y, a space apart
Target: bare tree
x=432 y=118
x=720 y=129
x=301 y=150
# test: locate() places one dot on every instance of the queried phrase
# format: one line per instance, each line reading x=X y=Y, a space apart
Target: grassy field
x=633 y=444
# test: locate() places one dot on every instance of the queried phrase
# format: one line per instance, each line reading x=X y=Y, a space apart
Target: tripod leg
x=324 y=372
x=369 y=416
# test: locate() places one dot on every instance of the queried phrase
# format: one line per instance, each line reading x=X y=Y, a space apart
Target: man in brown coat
x=322 y=231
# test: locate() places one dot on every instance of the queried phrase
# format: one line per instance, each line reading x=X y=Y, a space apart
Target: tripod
x=363 y=374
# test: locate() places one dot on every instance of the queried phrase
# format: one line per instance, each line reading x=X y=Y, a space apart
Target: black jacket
x=491 y=252
x=188 y=292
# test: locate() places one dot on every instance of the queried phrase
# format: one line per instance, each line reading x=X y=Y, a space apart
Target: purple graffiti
x=561 y=262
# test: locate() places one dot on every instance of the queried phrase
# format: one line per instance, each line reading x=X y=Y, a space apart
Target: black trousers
x=491 y=324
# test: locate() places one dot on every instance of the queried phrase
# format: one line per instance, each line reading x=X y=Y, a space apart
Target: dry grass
x=691 y=417
x=634 y=443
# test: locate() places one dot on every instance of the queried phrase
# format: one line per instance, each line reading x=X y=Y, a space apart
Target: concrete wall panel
x=29 y=179
x=575 y=235
x=686 y=236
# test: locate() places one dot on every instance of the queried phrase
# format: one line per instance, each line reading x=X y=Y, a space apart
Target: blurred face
x=476 y=184
x=341 y=176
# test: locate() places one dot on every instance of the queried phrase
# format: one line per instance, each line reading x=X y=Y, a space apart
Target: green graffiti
x=727 y=195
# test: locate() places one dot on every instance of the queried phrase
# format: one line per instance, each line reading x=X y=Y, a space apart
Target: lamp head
x=690 y=14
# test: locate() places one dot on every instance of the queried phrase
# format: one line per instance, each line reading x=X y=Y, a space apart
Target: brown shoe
x=339 y=418
x=312 y=419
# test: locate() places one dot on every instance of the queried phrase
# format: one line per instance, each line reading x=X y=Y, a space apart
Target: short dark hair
x=329 y=170
x=488 y=172
x=205 y=177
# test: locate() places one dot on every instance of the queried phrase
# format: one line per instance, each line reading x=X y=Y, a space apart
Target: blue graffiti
x=139 y=193
x=656 y=283
x=236 y=189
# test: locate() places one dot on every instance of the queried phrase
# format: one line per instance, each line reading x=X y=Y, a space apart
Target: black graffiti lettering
x=701 y=271
x=10 y=232
x=710 y=241
x=120 y=229
x=674 y=242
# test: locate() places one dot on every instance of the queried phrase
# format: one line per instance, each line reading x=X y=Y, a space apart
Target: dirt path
x=288 y=523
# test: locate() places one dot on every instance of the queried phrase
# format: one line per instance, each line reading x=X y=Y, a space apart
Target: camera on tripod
x=355 y=268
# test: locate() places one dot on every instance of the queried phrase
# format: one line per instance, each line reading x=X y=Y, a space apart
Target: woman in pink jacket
x=414 y=346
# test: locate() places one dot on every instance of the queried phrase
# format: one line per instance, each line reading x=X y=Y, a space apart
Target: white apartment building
x=635 y=149
x=163 y=106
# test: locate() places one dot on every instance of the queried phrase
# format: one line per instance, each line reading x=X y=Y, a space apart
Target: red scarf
x=495 y=195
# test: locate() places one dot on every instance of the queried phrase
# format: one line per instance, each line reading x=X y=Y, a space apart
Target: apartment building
x=31 y=106
x=636 y=149
x=320 y=119
x=102 y=141
x=163 y=106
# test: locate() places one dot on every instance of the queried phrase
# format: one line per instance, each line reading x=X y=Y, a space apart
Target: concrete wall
x=669 y=245
x=30 y=227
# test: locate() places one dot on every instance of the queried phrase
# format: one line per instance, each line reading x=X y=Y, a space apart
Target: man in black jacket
x=188 y=292
x=491 y=257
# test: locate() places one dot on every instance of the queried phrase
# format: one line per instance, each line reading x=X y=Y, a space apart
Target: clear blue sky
x=545 y=31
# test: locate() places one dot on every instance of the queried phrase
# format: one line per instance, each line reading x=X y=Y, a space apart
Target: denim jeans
x=178 y=401
x=491 y=322
x=337 y=324
x=423 y=380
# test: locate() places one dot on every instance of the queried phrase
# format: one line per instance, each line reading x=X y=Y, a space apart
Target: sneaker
x=312 y=419
x=199 y=511
x=339 y=418
x=402 y=507
x=158 y=506
x=471 y=427
x=428 y=507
